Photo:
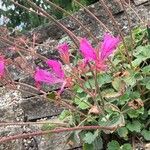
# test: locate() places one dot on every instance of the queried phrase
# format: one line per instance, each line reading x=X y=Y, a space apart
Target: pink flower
x=42 y=75
x=87 y=50
x=2 y=66
x=64 y=52
x=63 y=48
x=56 y=68
x=108 y=46
x=55 y=76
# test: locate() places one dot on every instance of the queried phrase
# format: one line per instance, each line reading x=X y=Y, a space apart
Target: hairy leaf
x=146 y=134
x=113 y=145
x=134 y=126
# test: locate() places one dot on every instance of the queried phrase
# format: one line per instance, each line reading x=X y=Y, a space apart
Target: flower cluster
x=90 y=54
x=99 y=55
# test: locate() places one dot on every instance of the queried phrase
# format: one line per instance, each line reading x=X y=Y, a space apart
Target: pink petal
x=2 y=66
x=63 y=48
x=56 y=68
x=87 y=50
x=45 y=76
x=108 y=46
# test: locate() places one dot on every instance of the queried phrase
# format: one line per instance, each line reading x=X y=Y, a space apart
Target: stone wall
x=15 y=106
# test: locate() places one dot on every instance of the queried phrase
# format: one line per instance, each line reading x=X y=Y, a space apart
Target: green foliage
x=123 y=92
x=123 y=132
x=48 y=126
x=134 y=126
x=146 y=134
x=64 y=114
x=90 y=137
x=92 y=141
x=82 y=103
x=88 y=146
x=113 y=145
x=18 y=16
x=141 y=54
x=135 y=113
x=126 y=147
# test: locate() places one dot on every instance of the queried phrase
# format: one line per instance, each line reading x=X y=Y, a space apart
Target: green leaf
x=116 y=120
x=82 y=103
x=141 y=53
x=134 y=126
x=90 y=137
x=48 y=126
x=148 y=85
x=87 y=146
x=116 y=83
x=123 y=132
x=98 y=143
x=137 y=61
x=149 y=112
x=146 y=134
x=103 y=79
x=135 y=113
x=51 y=95
x=134 y=95
x=113 y=145
x=126 y=147
x=130 y=81
x=64 y=114
x=92 y=83
x=124 y=98
x=146 y=69
x=79 y=90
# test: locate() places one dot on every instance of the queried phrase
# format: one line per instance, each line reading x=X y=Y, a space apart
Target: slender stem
x=97 y=90
x=8 y=42
x=61 y=26
x=129 y=6
x=60 y=130
x=80 y=84
x=73 y=18
x=129 y=23
x=93 y=16
x=64 y=103
x=45 y=14
x=30 y=86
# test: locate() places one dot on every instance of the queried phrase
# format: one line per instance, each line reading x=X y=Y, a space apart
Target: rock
x=35 y=108
x=51 y=141
x=8 y=131
x=51 y=30
x=139 y=2
x=10 y=109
